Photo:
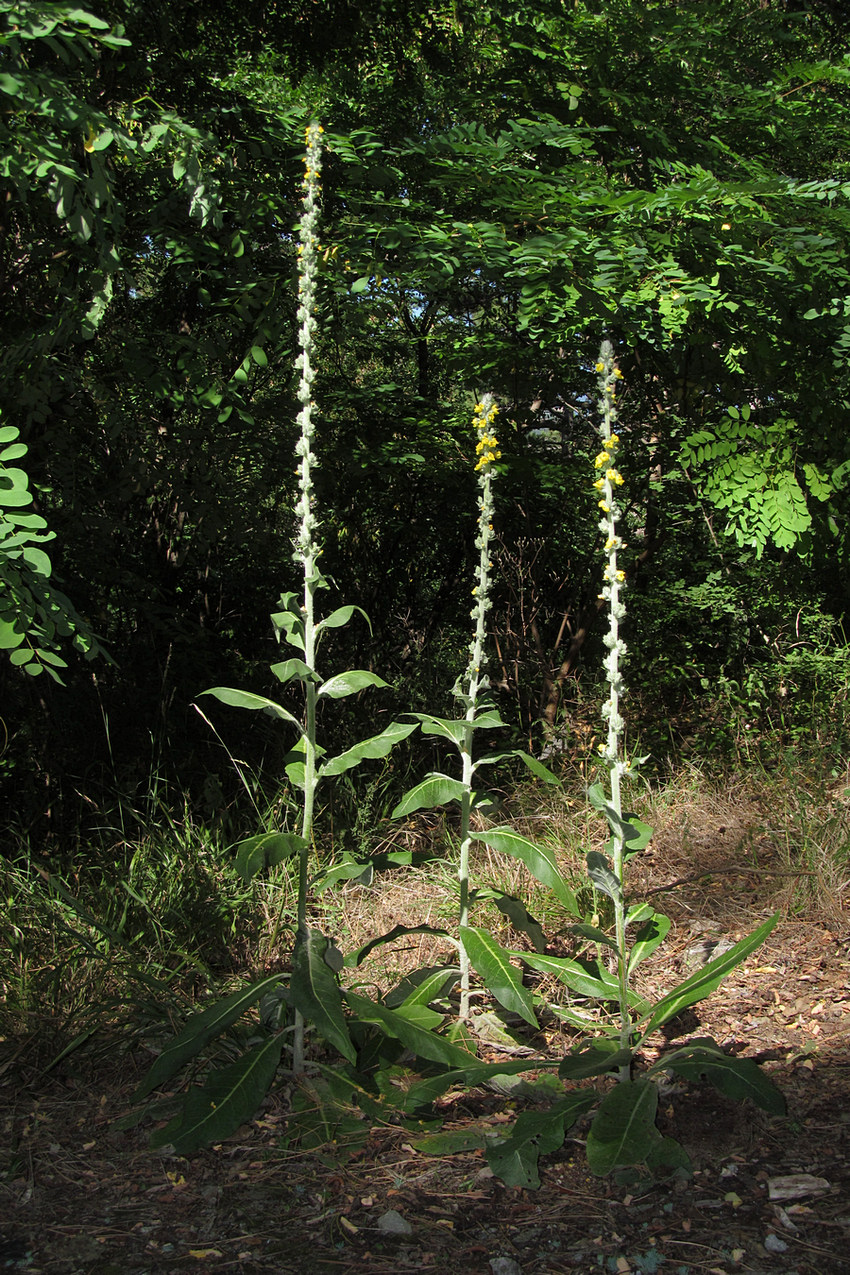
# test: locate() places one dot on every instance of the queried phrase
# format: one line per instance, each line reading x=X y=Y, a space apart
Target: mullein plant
x=229 y=1097
x=477 y=947
x=623 y=1132
x=613 y=1020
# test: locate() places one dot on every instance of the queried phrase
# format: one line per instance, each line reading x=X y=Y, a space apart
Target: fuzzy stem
x=487 y=453
x=307 y=546
x=607 y=484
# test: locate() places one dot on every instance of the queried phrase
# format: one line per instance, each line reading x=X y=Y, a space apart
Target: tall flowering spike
x=607 y=483
x=487 y=453
x=306 y=546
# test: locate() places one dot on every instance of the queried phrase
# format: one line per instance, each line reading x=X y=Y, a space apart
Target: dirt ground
x=80 y=1194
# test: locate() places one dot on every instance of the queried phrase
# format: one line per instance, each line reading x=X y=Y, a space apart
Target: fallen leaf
x=793 y=1186
x=200 y=1253
x=348 y=1227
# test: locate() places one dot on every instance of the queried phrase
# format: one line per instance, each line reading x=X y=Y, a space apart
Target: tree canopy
x=505 y=184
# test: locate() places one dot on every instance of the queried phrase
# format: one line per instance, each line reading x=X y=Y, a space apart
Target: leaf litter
x=767 y=1194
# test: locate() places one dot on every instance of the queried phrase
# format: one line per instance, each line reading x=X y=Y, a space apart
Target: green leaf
x=424 y=1044
x=349 y=683
x=226 y=1101
x=592 y=933
x=423 y=1092
x=368 y=749
x=200 y=1030
x=266 y=850
x=246 y=699
x=514 y=1159
x=455 y=731
x=289 y=620
x=287 y=670
x=649 y=936
x=434 y=790
x=539 y=860
x=599 y=871
x=259 y=356
x=623 y=1130
x=492 y=963
x=579 y=976
x=315 y=991
x=600 y=1058
x=347 y=869
x=398 y=931
x=340 y=617
x=705 y=980
x=423 y=986
x=15 y=452
x=738 y=1078
x=521 y=919
x=634 y=834
x=531 y=763
x=453 y=1141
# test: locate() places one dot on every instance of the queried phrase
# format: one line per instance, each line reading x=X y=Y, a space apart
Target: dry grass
x=719 y=840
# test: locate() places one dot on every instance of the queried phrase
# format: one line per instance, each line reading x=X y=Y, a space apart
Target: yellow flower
x=600 y=367
x=599 y=484
x=621 y=575
x=604 y=506
x=602 y=459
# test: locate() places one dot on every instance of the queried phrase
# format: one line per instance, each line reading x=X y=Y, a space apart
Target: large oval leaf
x=738 y=1078
x=289 y=670
x=623 y=1131
x=424 y=1044
x=349 y=683
x=434 y=790
x=704 y=981
x=514 y=1159
x=266 y=850
x=493 y=965
x=227 y=1100
x=247 y=699
x=341 y=616
x=200 y=1030
x=315 y=991
x=368 y=749
x=539 y=860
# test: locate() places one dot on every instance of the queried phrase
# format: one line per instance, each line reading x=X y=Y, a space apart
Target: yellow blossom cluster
x=487 y=447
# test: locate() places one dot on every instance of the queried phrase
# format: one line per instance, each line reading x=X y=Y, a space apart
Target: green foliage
x=34 y=615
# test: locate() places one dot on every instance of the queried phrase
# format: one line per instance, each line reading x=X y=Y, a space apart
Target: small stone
x=392 y=1223
x=504 y=1266
x=774 y=1244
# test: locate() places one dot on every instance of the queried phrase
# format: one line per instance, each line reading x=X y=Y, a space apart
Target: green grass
x=145 y=915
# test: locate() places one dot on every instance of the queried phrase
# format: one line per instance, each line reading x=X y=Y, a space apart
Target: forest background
x=504 y=185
